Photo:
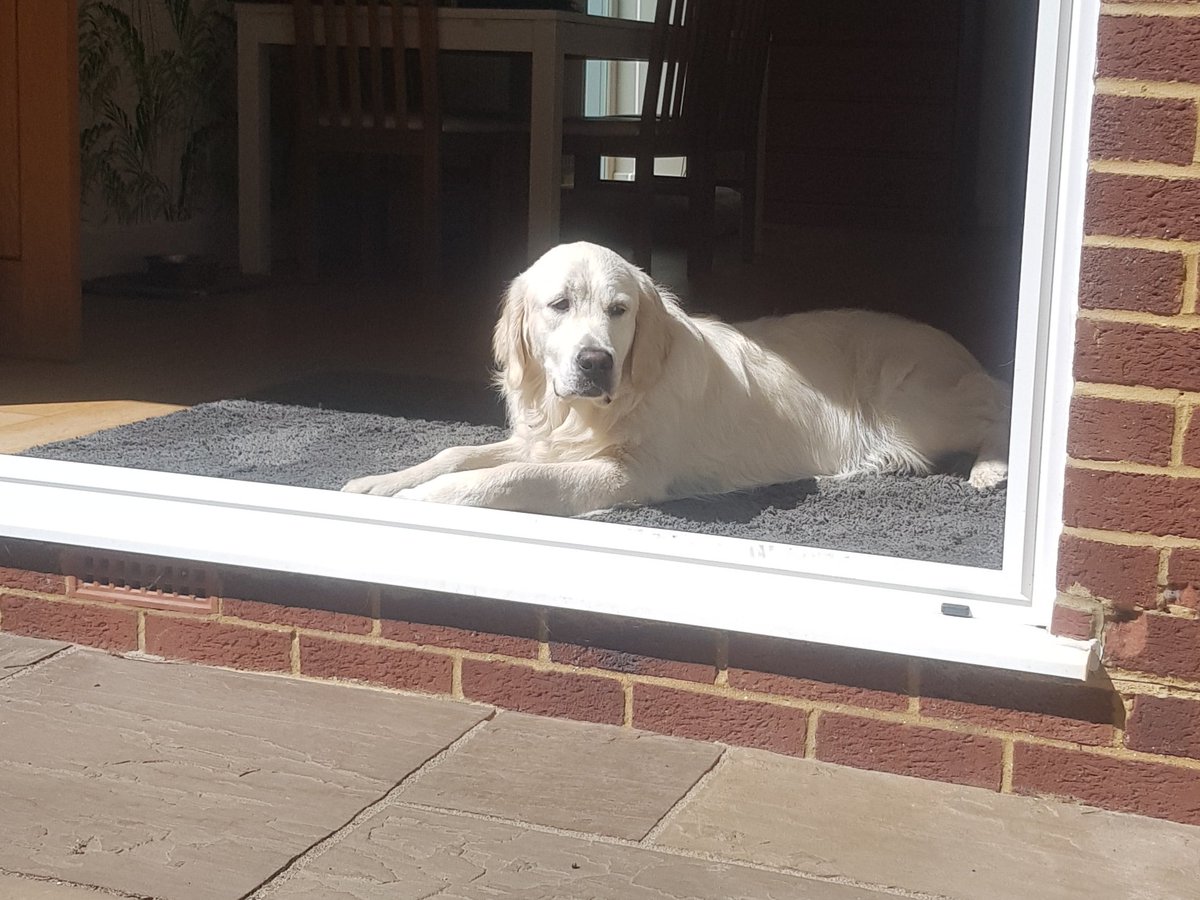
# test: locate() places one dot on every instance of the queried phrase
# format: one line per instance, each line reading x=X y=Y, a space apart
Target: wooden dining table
x=550 y=38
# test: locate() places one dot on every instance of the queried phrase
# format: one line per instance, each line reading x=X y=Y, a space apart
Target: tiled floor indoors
x=131 y=778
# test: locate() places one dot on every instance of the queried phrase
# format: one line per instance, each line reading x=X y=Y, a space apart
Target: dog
x=615 y=397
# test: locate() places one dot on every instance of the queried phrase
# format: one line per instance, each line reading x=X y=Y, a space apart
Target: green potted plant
x=157 y=113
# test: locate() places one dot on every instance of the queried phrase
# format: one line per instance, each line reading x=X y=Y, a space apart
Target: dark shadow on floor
x=408 y=396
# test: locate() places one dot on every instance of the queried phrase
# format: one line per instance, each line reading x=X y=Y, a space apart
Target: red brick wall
x=1131 y=543
x=1130 y=566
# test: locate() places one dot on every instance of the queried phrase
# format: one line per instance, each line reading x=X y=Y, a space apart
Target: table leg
x=254 y=153
x=545 y=140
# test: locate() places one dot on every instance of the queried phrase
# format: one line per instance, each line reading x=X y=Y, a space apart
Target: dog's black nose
x=594 y=362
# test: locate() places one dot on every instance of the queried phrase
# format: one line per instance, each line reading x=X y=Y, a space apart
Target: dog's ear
x=510 y=340
x=651 y=337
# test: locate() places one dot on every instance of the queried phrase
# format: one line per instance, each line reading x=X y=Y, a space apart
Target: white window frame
x=848 y=599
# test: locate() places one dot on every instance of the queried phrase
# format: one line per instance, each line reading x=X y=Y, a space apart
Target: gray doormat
x=939 y=518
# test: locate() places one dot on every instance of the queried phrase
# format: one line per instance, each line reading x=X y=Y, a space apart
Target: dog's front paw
x=988 y=474
x=379 y=485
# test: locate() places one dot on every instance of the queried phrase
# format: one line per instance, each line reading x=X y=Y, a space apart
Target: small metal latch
x=958 y=610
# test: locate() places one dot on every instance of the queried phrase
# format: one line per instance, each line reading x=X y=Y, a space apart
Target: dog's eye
x=616 y=311
x=562 y=304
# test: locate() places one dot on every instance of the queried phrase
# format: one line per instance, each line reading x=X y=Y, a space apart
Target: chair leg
x=643 y=233
x=702 y=214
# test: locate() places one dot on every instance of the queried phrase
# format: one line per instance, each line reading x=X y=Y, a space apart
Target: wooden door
x=40 y=301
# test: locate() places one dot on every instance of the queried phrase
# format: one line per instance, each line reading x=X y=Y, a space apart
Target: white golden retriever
x=615 y=396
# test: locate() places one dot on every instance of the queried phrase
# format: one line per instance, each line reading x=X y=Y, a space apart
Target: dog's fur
x=687 y=406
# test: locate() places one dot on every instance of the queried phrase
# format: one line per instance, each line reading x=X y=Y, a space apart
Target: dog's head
x=584 y=323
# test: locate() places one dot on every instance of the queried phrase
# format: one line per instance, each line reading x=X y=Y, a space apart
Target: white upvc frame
x=848 y=599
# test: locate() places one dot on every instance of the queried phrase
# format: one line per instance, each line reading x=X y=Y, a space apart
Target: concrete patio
x=133 y=778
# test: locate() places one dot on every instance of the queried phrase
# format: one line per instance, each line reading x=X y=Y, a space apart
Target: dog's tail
x=991 y=462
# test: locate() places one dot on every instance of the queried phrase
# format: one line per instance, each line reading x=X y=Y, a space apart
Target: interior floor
x=149 y=356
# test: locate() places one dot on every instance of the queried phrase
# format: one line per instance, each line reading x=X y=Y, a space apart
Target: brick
x=460 y=639
x=565 y=695
x=1147 y=788
x=1118 y=430
x=1165 y=725
x=1191 y=441
x=1183 y=567
x=1137 y=354
x=27 y=580
x=1053 y=709
x=1125 y=575
x=817 y=672
x=80 y=623
x=464 y=623
x=1137 y=280
x=219 y=644
x=633 y=646
x=297 y=591
x=705 y=717
x=31 y=566
x=1149 y=48
x=1119 y=501
x=395 y=667
x=1189 y=598
x=1156 y=643
x=295 y=616
x=1069 y=622
x=904 y=749
x=1143 y=128
x=1142 y=206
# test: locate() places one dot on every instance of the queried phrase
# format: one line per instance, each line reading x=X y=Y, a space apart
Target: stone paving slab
x=16 y=652
x=593 y=778
x=406 y=854
x=960 y=842
x=188 y=782
x=14 y=887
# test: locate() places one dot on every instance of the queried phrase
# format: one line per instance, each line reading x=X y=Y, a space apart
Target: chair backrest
x=351 y=71
x=671 y=52
x=707 y=63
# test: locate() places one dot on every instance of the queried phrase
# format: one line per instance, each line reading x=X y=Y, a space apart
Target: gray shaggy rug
x=938 y=517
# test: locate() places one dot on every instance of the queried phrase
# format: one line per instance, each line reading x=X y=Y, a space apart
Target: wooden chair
x=354 y=97
x=701 y=101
